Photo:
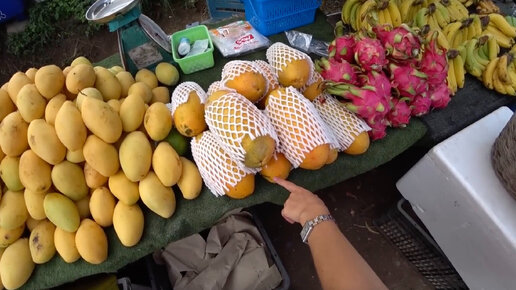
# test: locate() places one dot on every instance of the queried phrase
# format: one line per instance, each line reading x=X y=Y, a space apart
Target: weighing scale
x=141 y=42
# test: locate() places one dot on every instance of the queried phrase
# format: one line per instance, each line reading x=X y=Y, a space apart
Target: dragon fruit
x=342 y=48
x=363 y=101
x=420 y=105
x=401 y=43
x=399 y=115
x=378 y=80
x=440 y=96
x=378 y=130
x=370 y=54
x=407 y=80
x=337 y=70
x=434 y=64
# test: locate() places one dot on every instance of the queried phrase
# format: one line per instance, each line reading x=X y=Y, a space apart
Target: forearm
x=338 y=264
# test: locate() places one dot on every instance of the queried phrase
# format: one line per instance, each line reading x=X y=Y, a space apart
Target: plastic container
x=10 y=9
x=219 y=9
x=271 y=17
x=191 y=64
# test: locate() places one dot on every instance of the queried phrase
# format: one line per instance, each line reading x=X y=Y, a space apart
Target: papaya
x=189 y=116
x=278 y=166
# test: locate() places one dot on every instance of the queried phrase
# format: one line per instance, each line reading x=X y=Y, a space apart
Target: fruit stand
x=192 y=216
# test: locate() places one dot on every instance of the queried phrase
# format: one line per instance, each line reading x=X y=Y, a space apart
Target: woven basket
x=503 y=156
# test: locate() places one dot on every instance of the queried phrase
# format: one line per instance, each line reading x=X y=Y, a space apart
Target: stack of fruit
x=79 y=148
x=388 y=78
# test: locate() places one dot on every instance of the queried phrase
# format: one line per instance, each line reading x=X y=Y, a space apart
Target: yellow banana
x=460 y=37
x=458 y=69
x=353 y=15
x=433 y=22
x=501 y=70
x=513 y=49
x=487 y=76
x=442 y=41
x=404 y=10
x=346 y=10
x=498 y=85
x=512 y=74
x=364 y=10
x=443 y=12
x=394 y=12
x=451 y=30
x=501 y=23
x=459 y=7
x=502 y=39
x=388 y=17
x=381 y=17
x=452 y=83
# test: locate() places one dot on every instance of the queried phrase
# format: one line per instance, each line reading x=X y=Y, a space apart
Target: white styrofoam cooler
x=454 y=190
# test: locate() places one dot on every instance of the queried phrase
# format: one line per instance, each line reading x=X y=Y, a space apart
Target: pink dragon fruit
x=408 y=81
x=434 y=63
x=364 y=101
x=420 y=105
x=342 y=48
x=378 y=80
x=370 y=54
x=378 y=130
x=399 y=115
x=337 y=70
x=401 y=43
x=440 y=96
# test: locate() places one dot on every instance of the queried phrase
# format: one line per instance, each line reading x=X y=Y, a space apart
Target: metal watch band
x=309 y=225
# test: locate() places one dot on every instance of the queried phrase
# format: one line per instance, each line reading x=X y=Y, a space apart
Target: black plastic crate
x=402 y=227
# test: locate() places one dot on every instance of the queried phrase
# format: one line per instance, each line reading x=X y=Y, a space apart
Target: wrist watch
x=309 y=225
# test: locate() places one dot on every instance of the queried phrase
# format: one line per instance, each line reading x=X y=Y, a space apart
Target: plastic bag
x=237 y=38
x=306 y=43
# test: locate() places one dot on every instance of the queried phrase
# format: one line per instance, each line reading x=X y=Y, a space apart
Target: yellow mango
x=13 y=134
x=13 y=212
x=16 y=264
x=190 y=182
x=32 y=223
x=189 y=116
x=35 y=173
x=87 y=93
x=41 y=242
x=80 y=59
x=157 y=121
x=135 y=156
x=160 y=95
x=6 y=105
x=68 y=178
x=132 y=112
x=101 y=120
x=53 y=107
x=126 y=80
x=124 y=189
x=65 y=245
x=167 y=74
x=44 y=142
x=91 y=242
x=83 y=206
x=16 y=83
x=157 y=197
x=295 y=73
x=75 y=156
x=166 y=164
x=30 y=103
x=93 y=178
x=116 y=69
x=141 y=89
x=146 y=76
x=31 y=73
x=8 y=237
x=10 y=173
x=107 y=84
x=49 y=80
x=128 y=223
x=70 y=128
x=79 y=77
x=34 y=203
x=115 y=105
x=61 y=211
x=102 y=205
x=101 y=156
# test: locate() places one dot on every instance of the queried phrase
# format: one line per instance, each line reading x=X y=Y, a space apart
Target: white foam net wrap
x=182 y=92
x=344 y=123
x=217 y=86
x=235 y=68
x=279 y=55
x=299 y=127
x=230 y=118
x=313 y=79
x=216 y=167
x=268 y=71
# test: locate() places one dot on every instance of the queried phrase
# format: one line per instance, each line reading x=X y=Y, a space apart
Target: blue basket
x=10 y=9
x=271 y=17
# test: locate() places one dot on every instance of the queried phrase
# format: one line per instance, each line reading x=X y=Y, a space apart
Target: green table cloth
x=196 y=215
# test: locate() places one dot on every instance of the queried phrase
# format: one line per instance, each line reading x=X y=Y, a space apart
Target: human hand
x=301 y=205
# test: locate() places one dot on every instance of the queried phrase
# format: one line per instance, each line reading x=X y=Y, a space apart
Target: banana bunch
x=511 y=20
x=435 y=15
x=389 y=13
x=428 y=34
x=409 y=9
x=485 y=7
x=456 y=9
x=456 y=73
x=478 y=54
x=501 y=29
x=500 y=75
x=467 y=3
x=359 y=14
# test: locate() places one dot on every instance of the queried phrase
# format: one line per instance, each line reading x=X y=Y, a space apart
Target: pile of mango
x=79 y=148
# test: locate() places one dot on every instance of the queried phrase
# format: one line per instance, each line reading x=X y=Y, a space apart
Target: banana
x=443 y=12
x=476 y=26
x=381 y=17
x=452 y=82
x=498 y=85
x=463 y=11
x=458 y=69
x=512 y=74
x=404 y=10
x=460 y=37
x=366 y=7
x=346 y=10
x=493 y=49
x=421 y=17
x=394 y=12
x=511 y=20
x=483 y=51
x=487 y=76
x=502 y=39
x=451 y=30
x=442 y=41
x=513 y=50
x=501 y=23
x=439 y=17
x=501 y=70
x=353 y=15
x=472 y=65
x=433 y=22
x=387 y=16
x=480 y=58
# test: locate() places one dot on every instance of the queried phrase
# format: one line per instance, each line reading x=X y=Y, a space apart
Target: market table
x=199 y=214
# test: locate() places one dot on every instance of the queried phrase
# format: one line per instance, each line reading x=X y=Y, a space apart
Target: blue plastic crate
x=271 y=17
x=10 y=9
x=219 y=9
